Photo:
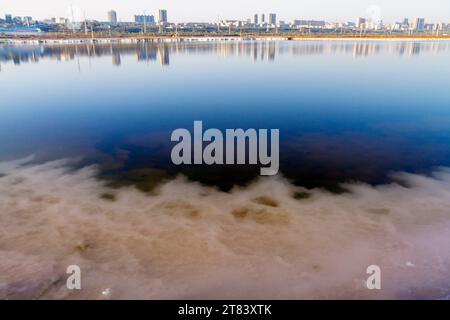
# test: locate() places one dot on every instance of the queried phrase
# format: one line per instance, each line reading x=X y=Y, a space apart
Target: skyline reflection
x=258 y=51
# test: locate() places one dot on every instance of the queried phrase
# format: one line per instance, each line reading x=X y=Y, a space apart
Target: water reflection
x=258 y=51
x=347 y=110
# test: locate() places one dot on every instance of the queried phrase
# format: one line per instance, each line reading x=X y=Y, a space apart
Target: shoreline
x=74 y=39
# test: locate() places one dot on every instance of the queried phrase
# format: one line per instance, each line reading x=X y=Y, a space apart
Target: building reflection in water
x=147 y=53
x=116 y=59
x=164 y=55
x=258 y=51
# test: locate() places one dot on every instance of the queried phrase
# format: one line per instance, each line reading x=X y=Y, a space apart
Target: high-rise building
x=63 y=21
x=263 y=18
x=360 y=22
x=315 y=24
x=8 y=18
x=17 y=20
x=142 y=19
x=162 y=16
x=28 y=20
x=272 y=18
x=255 y=19
x=441 y=26
x=112 y=17
x=419 y=25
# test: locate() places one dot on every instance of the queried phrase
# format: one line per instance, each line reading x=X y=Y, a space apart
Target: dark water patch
x=267 y=201
x=379 y=211
x=300 y=195
x=181 y=208
x=82 y=247
x=260 y=215
x=108 y=196
x=144 y=179
x=224 y=177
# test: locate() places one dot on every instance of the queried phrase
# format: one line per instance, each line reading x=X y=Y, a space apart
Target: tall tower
x=272 y=18
x=419 y=25
x=8 y=18
x=162 y=16
x=255 y=19
x=360 y=23
x=112 y=17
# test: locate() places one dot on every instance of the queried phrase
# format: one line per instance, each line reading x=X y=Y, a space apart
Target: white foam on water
x=191 y=241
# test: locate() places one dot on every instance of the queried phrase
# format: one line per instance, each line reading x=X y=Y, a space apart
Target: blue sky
x=210 y=10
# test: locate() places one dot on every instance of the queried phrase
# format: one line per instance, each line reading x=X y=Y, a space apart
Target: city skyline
x=203 y=11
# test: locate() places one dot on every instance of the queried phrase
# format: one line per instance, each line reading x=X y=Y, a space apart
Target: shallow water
x=190 y=241
x=367 y=117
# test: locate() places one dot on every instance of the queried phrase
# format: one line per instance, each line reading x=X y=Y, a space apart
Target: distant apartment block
x=112 y=17
x=310 y=23
x=272 y=18
x=63 y=21
x=162 y=16
x=419 y=24
x=8 y=18
x=144 y=19
x=361 y=23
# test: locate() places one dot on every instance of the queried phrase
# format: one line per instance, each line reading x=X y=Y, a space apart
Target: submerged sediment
x=270 y=239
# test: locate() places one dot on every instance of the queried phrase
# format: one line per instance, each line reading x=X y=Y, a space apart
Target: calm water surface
x=346 y=110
